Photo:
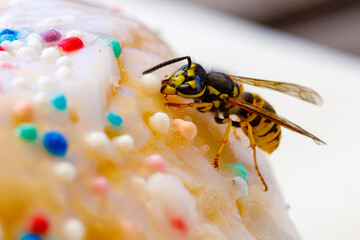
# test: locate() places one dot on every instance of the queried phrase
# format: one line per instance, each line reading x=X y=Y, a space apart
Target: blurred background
x=333 y=23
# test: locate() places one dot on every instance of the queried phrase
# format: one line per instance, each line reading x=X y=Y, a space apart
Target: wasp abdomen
x=266 y=133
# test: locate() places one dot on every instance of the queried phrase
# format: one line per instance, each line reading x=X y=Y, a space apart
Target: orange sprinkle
x=22 y=111
x=186 y=129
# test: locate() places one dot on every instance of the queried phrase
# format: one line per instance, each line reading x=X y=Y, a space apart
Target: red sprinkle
x=39 y=224
x=1 y=48
x=71 y=44
x=179 y=224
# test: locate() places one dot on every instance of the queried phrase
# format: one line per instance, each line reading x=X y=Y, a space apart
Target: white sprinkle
x=124 y=143
x=20 y=82
x=75 y=33
x=65 y=171
x=98 y=142
x=68 y=18
x=74 y=229
x=46 y=23
x=7 y=46
x=50 y=55
x=63 y=73
x=7 y=20
x=240 y=185
x=34 y=43
x=17 y=44
x=64 y=61
x=5 y=56
x=41 y=101
x=26 y=54
x=159 y=122
x=34 y=35
x=150 y=83
x=44 y=83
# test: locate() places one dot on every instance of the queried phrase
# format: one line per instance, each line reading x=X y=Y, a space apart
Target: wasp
x=224 y=94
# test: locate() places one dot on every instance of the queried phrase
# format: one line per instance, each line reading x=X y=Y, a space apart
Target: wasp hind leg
x=253 y=146
x=225 y=139
x=193 y=104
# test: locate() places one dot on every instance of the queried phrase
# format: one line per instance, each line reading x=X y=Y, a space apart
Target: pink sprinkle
x=22 y=111
x=4 y=64
x=116 y=9
x=156 y=163
x=100 y=185
x=51 y=35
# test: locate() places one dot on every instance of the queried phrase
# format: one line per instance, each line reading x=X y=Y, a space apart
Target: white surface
x=319 y=183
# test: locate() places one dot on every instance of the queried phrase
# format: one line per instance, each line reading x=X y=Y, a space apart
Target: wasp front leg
x=225 y=139
x=193 y=105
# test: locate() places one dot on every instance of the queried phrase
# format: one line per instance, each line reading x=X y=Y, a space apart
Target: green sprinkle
x=115 y=45
x=27 y=131
x=239 y=170
x=114 y=119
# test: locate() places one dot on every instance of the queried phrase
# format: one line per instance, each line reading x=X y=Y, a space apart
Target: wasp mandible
x=224 y=94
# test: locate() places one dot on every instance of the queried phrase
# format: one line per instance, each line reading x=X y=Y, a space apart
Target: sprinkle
x=4 y=64
x=50 y=55
x=150 y=83
x=9 y=31
x=30 y=236
x=241 y=186
x=75 y=33
x=58 y=100
x=55 y=143
x=74 y=229
x=7 y=46
x=20 y=82
x=46 y=23
x=156 y=163
x=239 y=170
x=124 y=143
x=22 y=111
x=51 y=35
x=39 y=224
x=71 y=44
x=17 y=44
x=35 y=44
x=186 y=129
x=26 y=54
x=159 y=122
x=27 y=131
x=100 y=185
x=65 y=171
x=1 y=48
x=114 y=119
x=34 y=35
x=63 y=72
x=44 y=83
x=64 y=61
x=73 y=113
x=68 y=18
x=5 y=56
x=115 y=45
x=98 y=142
x=116 y=9
x=7 y=37
x=41 y=100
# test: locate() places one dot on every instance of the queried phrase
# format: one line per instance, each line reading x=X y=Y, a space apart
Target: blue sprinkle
x=59 y=101
x=55 y=143
x=9 y=31
x=7 y=37
x=239 y=170
x=30 y=236
x=114 y=119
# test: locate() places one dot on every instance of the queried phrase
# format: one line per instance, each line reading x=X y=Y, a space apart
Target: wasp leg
x=236 y=135
x=193 y=105
x=225 y=139
x=253 y=146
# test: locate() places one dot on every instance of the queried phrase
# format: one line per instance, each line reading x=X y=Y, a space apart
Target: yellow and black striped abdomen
x=266 y=133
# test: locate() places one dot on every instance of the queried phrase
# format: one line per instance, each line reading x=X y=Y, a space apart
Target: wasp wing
x=272 y=117
x=294 y=90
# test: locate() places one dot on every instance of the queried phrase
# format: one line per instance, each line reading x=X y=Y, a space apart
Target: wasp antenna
x=168 y=62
